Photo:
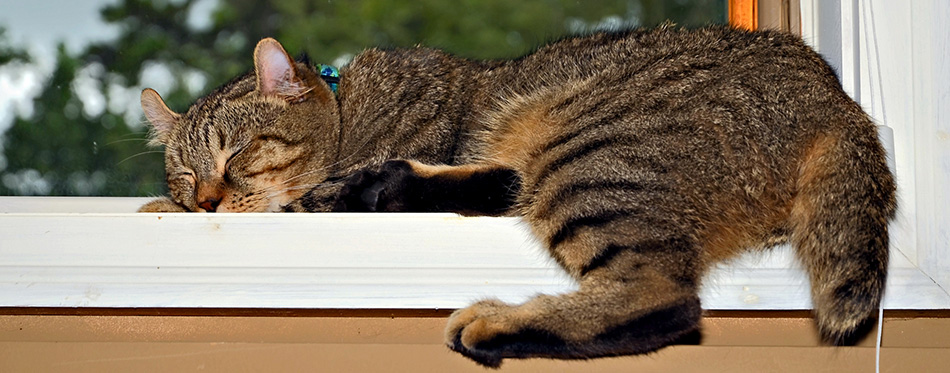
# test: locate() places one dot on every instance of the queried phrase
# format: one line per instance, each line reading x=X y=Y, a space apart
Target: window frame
x=95 y=252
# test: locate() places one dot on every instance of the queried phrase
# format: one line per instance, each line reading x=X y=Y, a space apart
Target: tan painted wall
x=411 y=342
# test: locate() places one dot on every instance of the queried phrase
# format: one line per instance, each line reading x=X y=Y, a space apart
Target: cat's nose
x=210 y=204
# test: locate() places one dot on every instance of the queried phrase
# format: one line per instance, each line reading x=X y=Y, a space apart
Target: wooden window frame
x=744 y=14
x=782 y=15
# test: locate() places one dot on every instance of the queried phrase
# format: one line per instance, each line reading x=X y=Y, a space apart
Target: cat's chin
x=225 y=209
x=274 y=205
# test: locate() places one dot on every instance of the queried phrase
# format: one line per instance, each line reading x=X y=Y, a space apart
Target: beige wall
x=410 y=341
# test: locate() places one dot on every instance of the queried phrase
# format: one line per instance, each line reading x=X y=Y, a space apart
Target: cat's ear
x=276 y=74
x=162 y=118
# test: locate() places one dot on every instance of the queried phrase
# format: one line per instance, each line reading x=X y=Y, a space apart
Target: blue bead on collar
x=330 y=75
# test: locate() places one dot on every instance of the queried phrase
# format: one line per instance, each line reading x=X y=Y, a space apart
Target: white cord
x=870 y=34
x=880 y=333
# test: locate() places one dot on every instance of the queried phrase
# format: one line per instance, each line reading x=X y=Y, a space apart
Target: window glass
x=71 y=71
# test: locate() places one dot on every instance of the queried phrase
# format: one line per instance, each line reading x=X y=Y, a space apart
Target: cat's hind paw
x=490 y=331
x=470 y=326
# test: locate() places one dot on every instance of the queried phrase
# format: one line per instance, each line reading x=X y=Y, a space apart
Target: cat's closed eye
x=187 y=176
x=276 y=138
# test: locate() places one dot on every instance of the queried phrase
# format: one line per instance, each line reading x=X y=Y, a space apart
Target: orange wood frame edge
x=379 y=312
x=744 y=14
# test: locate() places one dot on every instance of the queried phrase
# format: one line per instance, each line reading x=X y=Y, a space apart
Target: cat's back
x=762 y=88
x=643 y=54
x=722 y=120
x=714 y=90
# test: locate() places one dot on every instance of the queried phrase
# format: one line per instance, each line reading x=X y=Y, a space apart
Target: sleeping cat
x=639 y=158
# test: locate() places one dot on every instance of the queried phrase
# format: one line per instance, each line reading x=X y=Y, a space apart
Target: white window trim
x=94 y=252
x=87 y=252
x=894 y=59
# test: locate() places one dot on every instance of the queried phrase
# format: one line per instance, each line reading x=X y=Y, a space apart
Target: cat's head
x=254 y=144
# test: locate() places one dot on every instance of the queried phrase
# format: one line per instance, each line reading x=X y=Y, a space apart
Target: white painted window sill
x=94 y=252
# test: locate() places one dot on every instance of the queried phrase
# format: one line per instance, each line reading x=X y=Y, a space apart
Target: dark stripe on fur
x=608 y=116
x=279 y=167
x=571 y=227
x=605 y=256
x=580 y=188
x=572 y=156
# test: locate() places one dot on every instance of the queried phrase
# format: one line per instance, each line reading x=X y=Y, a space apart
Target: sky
x=39 y=25
x=42 y=23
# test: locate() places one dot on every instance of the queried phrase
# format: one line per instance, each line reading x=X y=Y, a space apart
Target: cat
x=638 y=157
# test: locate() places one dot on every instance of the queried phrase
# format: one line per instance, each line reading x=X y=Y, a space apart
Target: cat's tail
x=839 y=228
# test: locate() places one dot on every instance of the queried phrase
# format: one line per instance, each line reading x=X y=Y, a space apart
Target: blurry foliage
x=76 y=152
x=9 y=53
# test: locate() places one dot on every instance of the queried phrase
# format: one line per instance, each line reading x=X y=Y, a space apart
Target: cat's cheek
x=235 y=203
x=275 y=201
x=276 y=205
x=238 y=206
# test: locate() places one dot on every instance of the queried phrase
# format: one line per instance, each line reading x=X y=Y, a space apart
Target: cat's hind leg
x=613 y=215
x=631 y=300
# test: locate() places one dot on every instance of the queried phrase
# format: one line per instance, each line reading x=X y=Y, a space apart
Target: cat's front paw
x=388 y=188
x=162 y=204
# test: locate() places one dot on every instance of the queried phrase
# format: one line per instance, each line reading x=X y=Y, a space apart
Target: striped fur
x=639 y=158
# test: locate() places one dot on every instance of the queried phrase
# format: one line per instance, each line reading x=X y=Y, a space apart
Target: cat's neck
x=430 y=105
x=417 y=102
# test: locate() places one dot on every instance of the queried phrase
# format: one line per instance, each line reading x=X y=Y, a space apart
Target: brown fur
x=446 y=171
x=639 y=158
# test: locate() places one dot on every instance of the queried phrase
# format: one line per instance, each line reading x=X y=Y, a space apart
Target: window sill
x=54 y=256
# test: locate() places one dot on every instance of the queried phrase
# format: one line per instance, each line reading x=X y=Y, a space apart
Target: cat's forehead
x=231 y=103
x=225 y=94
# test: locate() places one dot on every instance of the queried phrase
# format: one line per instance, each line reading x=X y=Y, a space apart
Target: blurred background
x=71 y=70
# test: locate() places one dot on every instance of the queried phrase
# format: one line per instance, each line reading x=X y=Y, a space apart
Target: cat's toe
x=470 y=327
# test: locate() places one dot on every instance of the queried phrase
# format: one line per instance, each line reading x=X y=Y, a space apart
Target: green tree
x=10 y=53
x=75 y=154
x=65 y=148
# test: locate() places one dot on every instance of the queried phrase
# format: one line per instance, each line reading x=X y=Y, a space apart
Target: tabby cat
x=639 y=158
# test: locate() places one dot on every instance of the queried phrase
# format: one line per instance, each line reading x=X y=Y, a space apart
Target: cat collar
x=330 y=75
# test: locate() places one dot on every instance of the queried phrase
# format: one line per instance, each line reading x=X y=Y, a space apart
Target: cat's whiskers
x=297 y=187
x=295 y=177
x=143 y=139
x=283 y=185
x=142 y=153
